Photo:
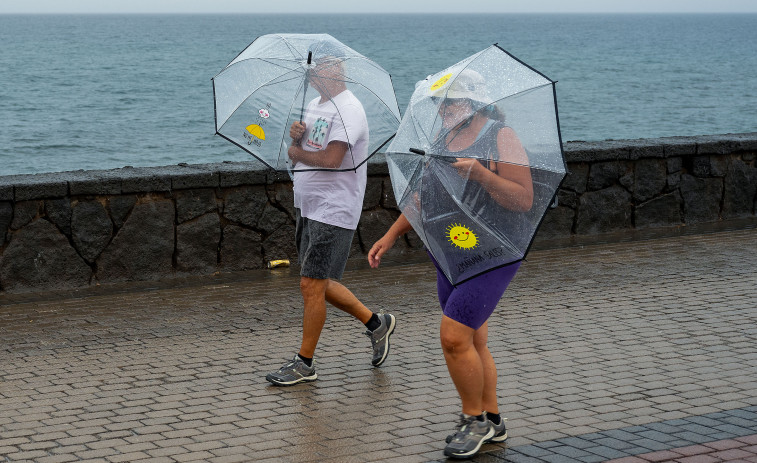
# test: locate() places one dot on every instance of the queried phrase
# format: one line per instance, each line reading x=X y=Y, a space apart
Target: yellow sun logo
x=461 y=236
x=440 y=83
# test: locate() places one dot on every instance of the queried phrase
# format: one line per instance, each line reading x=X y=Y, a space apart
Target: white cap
x=469 y=84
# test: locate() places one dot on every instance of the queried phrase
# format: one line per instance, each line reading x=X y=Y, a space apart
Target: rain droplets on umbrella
x=467 y=226
x=260 y=93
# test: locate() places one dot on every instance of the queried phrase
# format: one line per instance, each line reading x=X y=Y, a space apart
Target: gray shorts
x=322 y=248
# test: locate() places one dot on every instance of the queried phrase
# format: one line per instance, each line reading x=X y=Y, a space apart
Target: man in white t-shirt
x=332 y=135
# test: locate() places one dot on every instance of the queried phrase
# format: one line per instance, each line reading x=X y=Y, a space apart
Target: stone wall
x=76 y=229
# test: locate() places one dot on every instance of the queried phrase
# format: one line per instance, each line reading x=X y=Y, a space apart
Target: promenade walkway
x=624 y=352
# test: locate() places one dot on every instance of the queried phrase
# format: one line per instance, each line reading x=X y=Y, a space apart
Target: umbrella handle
x=305 y=87
x=304 y=91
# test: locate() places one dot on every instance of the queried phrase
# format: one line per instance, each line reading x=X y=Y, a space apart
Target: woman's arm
x=508 y=182
x=399 y=228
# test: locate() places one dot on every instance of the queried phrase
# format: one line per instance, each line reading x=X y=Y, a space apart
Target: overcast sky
x=380 y=6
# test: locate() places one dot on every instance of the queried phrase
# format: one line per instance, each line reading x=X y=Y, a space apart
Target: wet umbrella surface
x=269 y=86
x=477 y=161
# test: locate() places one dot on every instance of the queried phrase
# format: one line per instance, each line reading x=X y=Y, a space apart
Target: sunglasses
x=445 y=104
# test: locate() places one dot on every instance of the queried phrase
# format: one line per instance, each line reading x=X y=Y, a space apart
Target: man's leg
x=315 y=293
x=379 y=326
x=314 y=317
x=343 y=299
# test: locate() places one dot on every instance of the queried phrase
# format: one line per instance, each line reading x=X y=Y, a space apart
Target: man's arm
x=329 y=158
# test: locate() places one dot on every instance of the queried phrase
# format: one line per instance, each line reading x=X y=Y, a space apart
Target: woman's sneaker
x=470 y=435
x=292 y=373
x=500 y=431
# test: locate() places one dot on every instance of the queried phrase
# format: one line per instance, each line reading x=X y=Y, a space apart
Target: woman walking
x=472 y=126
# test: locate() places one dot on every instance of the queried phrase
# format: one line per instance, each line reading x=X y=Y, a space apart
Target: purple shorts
x=473 y=301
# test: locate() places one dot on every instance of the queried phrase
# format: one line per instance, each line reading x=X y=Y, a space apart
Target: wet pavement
x=625 y=352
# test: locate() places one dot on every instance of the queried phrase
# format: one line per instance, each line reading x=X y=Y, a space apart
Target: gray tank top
x=475 y=197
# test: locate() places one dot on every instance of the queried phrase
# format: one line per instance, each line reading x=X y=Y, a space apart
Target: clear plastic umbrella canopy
x=267 y=87
x=473 y=220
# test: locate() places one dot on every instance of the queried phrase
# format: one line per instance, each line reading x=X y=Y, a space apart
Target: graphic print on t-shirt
x=318 y=133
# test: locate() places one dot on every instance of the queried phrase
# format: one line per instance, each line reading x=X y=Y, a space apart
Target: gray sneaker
x=470 y=435
x=380 y=338
x=292 y=373
x=500 y=432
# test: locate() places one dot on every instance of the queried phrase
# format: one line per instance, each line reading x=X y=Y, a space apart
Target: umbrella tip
x=310 y=57
x=417 y=151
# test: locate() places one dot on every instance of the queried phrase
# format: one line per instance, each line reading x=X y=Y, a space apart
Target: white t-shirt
x=335 y=198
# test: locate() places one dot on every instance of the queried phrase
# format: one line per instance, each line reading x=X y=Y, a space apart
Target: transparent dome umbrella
x=267 y=87
x=470 y=219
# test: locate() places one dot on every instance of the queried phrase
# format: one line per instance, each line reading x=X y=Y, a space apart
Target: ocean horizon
x=100 y=91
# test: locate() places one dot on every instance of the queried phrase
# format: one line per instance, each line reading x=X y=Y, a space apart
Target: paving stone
x=520 y=458
x=607 y=452
x=649 y=445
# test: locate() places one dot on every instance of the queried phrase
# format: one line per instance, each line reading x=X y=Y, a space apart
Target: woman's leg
x=471 y=366
x=489 y=395
x=464 y=364
x=464 y=335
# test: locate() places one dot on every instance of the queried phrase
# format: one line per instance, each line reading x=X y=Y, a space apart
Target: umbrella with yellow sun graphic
x=477 y=161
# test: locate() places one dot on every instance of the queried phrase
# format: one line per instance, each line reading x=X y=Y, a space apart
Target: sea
x=108 y=91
